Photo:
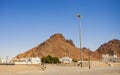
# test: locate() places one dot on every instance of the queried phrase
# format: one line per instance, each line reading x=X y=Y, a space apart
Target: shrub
x=74 y=60
x=50 y=59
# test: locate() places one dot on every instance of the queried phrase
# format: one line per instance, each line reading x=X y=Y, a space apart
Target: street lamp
x=78 y=15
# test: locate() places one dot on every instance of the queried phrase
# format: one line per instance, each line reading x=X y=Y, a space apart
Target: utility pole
x=89 y=53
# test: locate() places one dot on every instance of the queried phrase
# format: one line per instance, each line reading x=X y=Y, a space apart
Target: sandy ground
x=56 y=70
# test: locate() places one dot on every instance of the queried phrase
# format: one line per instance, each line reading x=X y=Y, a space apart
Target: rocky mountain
x=59 y=47
x=111 y=48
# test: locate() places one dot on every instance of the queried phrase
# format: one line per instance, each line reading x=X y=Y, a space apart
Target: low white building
x=66 y=60
x=110 y=58
x=31 y=60
x=36 y=60
x=7 y=60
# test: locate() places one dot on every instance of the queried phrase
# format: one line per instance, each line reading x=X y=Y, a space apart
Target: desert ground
x=57 y=70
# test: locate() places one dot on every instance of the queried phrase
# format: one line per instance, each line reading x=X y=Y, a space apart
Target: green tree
x=50 y=59
x=74 y=60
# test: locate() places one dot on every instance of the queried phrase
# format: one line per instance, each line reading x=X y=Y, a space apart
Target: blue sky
x=27 y=23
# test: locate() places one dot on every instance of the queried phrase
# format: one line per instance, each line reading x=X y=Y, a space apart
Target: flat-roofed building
x=110 y=58
x=66 y=60
x=31 y=60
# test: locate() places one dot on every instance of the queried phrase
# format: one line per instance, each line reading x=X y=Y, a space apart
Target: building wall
x=66 y=60
x=28 y=61
x=110 y=58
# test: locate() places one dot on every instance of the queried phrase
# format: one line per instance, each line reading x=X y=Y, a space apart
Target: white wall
x=29 y=61
x=66 y=60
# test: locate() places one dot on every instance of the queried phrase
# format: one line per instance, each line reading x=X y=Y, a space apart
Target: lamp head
x=78 y=15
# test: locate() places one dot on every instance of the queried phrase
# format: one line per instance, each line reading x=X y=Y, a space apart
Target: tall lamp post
x=78 y=15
